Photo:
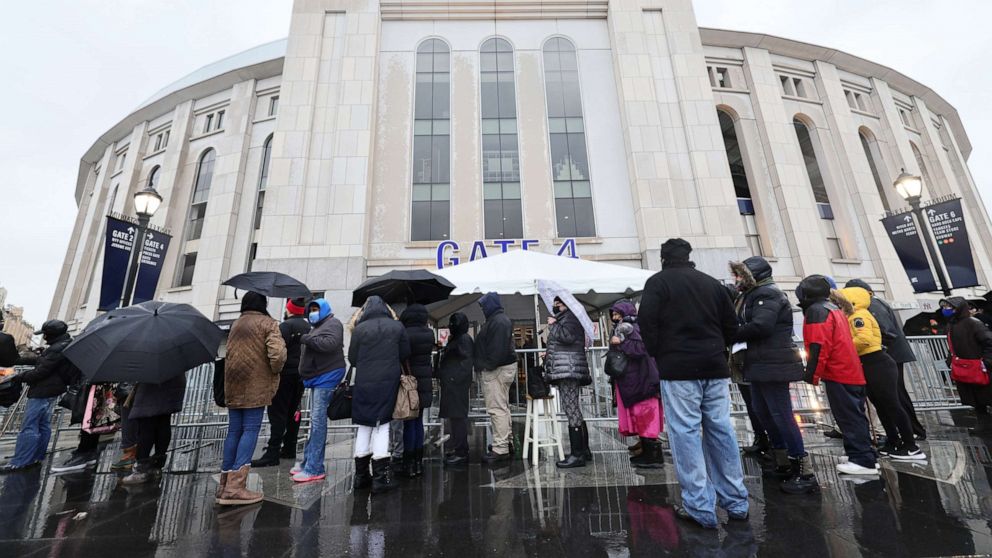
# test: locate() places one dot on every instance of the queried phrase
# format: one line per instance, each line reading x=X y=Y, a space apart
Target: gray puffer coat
x=566 y=359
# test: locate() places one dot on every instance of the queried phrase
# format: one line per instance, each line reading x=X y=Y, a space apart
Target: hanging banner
x=949 y=232
x=905 y=239
x=150 y=268
x=116 y=256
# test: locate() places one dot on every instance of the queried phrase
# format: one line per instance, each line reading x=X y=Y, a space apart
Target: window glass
x=153 y=178
x=186 y=270
x=812 y=165
x=431 y=143
x=500 y=159
x=734 y=157
x=874 y=171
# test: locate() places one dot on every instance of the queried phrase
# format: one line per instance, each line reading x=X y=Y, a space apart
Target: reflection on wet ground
x=939 y=508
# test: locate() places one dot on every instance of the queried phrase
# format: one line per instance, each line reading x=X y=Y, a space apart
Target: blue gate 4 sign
x=447 y=251
x=116 y=256
x=949 y=232
x=905 y=239
x=150 y=268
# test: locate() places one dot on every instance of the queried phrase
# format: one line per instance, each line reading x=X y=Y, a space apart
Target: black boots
x=363 y=479
x=413 y=463
x=269 y=459
x=578 y=451
x=801 y=479
x=983 y=425
x=760 y=445
x=651 y=456
x=585 y=442
x=779 y=468
x=382 y=481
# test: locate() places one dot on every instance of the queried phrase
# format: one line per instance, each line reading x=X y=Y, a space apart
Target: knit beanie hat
x=296 y=306
x=675 y=250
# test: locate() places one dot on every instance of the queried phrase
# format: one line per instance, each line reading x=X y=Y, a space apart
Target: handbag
x=219 y=383
x=407 y=398
x=340 y=404
x=616 y=363
x=100 y=416
x=74 y=400
x=537 y=388
x=967 y=370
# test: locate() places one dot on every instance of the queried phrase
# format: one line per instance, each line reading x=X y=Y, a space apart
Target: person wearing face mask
x=566 y=368
x=968 y=338
x=322 y=367
x=284 y=423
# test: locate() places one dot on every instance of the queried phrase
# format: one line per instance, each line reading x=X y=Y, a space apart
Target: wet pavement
x=942 y=507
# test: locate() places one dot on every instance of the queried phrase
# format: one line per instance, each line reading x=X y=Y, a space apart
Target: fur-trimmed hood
x=751 y=271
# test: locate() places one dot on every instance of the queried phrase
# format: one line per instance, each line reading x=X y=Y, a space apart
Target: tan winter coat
x=256 y=353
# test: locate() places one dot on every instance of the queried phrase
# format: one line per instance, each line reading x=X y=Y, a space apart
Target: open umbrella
x=151 y=342
x=410 y=286
x=549 y=290
x=269 y=283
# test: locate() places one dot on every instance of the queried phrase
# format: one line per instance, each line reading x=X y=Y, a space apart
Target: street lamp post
x=911 y=188
x=146 y=203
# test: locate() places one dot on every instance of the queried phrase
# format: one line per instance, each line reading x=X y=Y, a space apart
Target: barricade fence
x=199 y=430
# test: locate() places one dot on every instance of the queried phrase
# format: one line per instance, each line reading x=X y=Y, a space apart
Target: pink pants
x=644 y=419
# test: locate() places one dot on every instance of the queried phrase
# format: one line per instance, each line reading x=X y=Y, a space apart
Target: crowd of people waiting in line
x=690 y=338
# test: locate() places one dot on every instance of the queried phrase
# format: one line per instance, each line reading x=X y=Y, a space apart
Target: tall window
x=927 y=182
x=866 y=144
x=431 y=143
x=197 y=214
x=153 y=178
x=819 y=188
x=500 y=158
x=569 y=161
x=263 y=179
x=739 y=176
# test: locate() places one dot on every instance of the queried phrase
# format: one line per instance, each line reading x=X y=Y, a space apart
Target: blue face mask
x=314 y=317
x=947 y=312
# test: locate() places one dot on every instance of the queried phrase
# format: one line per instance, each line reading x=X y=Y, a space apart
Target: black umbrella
x=413 y=286
x=151 y=342
x=269 y=283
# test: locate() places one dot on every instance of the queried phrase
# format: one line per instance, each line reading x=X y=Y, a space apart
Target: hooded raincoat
x=827 y=336
x=864 y=327
x=415 y=318
x=494 y=342
x=322 y=349
x=639 y=410
x=455 y=369
x=379 y=345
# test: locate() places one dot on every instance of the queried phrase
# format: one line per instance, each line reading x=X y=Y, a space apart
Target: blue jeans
x=242 y=435
x=697 y=413
x=773 y=403
x=413 y=433
x=36 y=430
x=313 y=453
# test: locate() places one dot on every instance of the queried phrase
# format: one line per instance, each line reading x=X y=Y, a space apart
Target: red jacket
x=827 y=326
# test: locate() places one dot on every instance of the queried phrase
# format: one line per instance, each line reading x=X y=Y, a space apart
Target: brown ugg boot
x=221 y=485
x=235 y=493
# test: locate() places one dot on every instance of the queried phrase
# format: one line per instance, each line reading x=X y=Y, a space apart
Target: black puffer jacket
x=566 y=358
x=292 y=330
x=379 y=345
x=52 y=371
x=455 y=370
x=414 y=318
x=766 y=325
x=494 y=342
x=152 y=400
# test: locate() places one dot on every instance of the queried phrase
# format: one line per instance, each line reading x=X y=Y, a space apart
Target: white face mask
x=314 y=317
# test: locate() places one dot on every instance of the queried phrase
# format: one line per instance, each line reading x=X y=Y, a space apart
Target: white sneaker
x=850 y=468
x=297 y=468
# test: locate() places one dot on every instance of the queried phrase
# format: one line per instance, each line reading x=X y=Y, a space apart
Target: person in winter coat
x=687 y=322
x=152 y=407
x=46 y=382
x=322 y=367
x=968 y=338
x=566 y=368
x=496 y=364
x=771 y=361
x=897 y=346
x=256 y=354
x=284 y=422
x=637 y=390
x=454 y=373
x=831 y=356
x=882 y=377
x=379 y=345
x=422 y=345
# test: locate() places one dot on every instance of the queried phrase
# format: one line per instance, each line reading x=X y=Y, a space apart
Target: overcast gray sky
x=73 y=69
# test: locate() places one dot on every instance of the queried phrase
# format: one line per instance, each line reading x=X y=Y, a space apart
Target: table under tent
x=514 y=276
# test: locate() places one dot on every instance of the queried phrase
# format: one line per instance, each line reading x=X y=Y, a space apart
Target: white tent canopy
x=516 y=272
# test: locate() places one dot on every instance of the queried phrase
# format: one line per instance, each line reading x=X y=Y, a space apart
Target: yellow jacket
x=864 y=328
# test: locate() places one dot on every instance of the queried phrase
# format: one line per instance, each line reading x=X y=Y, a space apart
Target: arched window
x=927 y=182
x=153 y=178
x=431 y=145
x=500 y=157
x=263 y=179
x=868 y=144
x=739 y=175
x=569 y=160
x=815 y=177
x=197 y=214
